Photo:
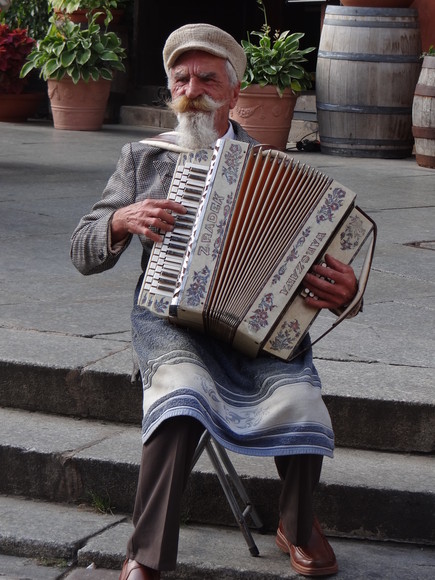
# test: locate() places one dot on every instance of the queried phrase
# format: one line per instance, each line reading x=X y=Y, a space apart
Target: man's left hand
x=332 y=285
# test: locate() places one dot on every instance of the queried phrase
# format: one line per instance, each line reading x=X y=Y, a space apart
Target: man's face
x=196 y=74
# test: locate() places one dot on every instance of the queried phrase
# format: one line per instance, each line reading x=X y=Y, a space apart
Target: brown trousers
x=164 y=471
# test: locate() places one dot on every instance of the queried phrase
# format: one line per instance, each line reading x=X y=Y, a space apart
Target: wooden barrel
x=367 y=68
x=423 y=114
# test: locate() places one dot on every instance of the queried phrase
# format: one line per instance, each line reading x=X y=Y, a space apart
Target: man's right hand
x=139 y=217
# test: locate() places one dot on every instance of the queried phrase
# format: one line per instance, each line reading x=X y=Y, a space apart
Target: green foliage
x=431 y=51
x=76 y=52
x=101 y=504
x=69 y=6
x=52 y=562
x=30 y=14
x=276 y=60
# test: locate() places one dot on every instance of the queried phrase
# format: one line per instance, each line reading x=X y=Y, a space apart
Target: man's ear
x=234 y=96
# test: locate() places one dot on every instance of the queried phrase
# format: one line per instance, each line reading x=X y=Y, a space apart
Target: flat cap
x=207 y=38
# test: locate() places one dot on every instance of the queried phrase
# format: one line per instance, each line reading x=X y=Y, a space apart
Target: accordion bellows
x=257 y=221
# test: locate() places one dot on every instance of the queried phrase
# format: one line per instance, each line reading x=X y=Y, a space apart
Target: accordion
x=256 y=222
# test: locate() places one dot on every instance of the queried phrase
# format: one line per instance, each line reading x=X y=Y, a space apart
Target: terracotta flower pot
x=378 y=3
x=265 y=115
x=18 y=108
x=79 y=107
x=80 y=16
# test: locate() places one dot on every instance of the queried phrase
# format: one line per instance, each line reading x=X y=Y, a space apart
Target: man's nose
x=193 y=88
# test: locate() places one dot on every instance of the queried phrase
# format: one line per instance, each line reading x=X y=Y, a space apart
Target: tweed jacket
x=142 y=172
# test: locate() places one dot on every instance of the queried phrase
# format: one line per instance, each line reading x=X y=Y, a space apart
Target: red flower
x=15 y=45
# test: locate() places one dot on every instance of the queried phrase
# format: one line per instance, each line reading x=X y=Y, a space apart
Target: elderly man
x=191 y=383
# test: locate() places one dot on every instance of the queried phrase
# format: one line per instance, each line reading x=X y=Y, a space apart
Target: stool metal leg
x=237 y=482
x=222 y=462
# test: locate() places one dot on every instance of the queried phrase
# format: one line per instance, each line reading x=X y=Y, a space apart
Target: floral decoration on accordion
x=196 y=291
x=159 y=305
x=260 y=317
x=233 y=158
x=287 y=336
x=293 y=255
x=198 y=156
x=333 y=203
x=353 y=233
x=221 y=225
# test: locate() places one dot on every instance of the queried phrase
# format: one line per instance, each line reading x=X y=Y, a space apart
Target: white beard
x=196 y=129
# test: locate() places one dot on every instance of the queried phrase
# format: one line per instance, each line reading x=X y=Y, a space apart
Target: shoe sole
x=281 y=542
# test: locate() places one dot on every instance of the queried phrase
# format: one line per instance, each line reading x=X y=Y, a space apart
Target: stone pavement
x=59 y=328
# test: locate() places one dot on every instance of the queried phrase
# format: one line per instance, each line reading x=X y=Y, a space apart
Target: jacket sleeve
x=90 y=241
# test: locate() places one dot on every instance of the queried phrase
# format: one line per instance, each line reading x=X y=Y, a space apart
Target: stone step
x=46 y=541
x=371 y=405
x=362 y=494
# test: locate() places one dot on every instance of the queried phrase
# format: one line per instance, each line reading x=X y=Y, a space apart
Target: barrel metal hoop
x=429 y=62
x=423 y=132
x=369 y=23
x=364 y=109
x=387 y=12
x=355 y=141
x=424 y=91
x=425 y=160
x=364 y=57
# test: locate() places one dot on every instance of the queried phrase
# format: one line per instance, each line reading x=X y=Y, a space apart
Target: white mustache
x=203 y=103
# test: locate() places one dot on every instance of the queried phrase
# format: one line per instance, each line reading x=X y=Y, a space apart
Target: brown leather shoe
x=132 y=570
x=317 y=558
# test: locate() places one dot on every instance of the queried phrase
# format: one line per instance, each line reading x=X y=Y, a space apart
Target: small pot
x=18 y=108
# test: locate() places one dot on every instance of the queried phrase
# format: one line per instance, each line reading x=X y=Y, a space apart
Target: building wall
x=426 y=13
x=154 y=20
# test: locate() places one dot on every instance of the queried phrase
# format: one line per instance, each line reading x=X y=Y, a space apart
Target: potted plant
x=16 y=104
x=423 y=112
x=78 y=64
x=274 y=75
x=77 y=10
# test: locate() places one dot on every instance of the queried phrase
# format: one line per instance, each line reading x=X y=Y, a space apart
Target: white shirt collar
x=230 y=133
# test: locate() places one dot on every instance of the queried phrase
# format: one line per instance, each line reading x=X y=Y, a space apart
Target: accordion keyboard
x=166 y=259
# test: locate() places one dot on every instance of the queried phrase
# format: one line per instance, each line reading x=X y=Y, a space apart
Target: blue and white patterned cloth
x=260 y=406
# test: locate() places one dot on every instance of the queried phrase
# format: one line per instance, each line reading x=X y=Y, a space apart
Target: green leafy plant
x=15 y=46
x=30 y=14
x=276 y=60
x=68 y=50
x=430 y=51
x=69 y=6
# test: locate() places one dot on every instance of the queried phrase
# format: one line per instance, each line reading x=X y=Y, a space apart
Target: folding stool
x=227 y=475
